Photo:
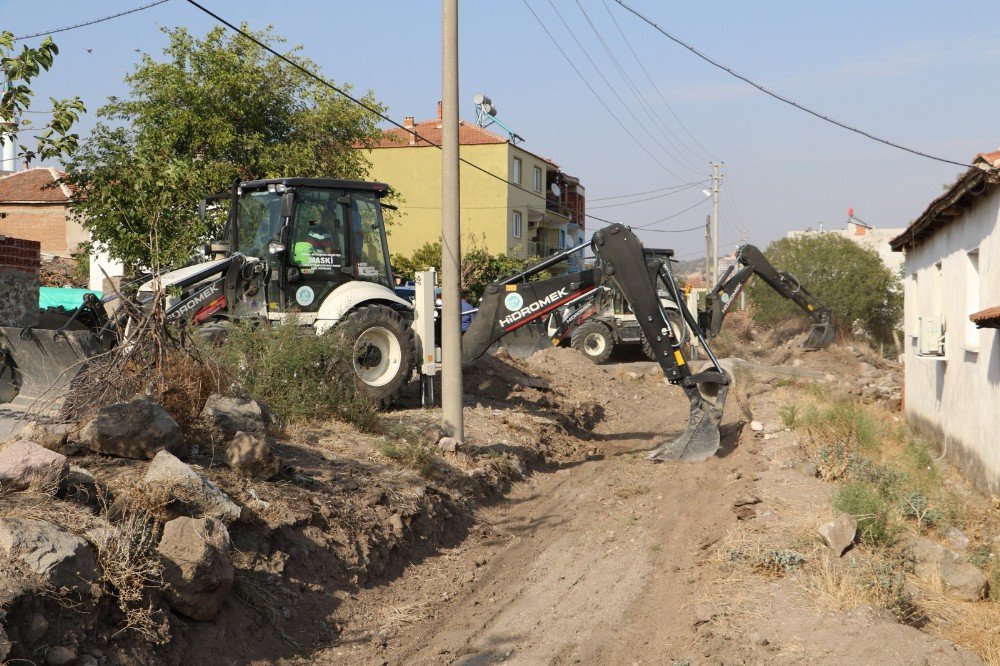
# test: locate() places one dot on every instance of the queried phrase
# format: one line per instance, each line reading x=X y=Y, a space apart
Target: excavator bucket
x=40 y=366
x=701 y=438
x=820 y=336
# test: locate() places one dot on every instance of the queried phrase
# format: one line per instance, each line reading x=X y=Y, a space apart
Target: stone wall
x=19 y=267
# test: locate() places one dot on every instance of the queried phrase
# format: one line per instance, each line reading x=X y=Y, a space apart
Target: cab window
x=318 y=231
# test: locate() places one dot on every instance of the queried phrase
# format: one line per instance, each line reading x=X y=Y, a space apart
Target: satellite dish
x=555 y=189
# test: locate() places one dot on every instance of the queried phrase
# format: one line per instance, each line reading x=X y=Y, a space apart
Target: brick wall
x=19 y=264
x=49 y=224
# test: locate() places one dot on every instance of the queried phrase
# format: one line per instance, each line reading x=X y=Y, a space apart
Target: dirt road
x=606 y=561
x=591 y=563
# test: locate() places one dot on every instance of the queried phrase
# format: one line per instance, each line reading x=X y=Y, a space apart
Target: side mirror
x=287 y=203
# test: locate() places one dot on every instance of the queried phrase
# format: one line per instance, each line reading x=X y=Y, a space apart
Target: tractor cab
x=313 y=235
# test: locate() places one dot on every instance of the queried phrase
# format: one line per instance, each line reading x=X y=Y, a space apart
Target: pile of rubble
x=60 y=528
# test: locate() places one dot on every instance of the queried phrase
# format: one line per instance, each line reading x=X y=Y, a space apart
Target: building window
x=538 y=179
x=562 y=238
x=971 y=337
x=517 y=171
x=517 y=224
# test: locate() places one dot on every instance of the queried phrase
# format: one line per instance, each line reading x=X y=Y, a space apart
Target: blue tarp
x=54 y=297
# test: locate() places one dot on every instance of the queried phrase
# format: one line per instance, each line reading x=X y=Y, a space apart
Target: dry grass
x=130 y=566
x=975 y=626
x=390 y=619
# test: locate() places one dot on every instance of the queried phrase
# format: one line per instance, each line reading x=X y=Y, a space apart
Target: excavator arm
x=751 y=261
x=510 y=304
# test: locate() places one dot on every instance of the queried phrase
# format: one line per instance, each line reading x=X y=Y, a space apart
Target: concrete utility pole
x=716 y=179
x=708 y=250
x=451 y=235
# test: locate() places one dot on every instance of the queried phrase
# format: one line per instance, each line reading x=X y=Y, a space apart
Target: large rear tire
x=594 y=339
x=383 y=346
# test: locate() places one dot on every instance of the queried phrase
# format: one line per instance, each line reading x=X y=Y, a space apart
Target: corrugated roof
x=34 y=186
x=982 y=176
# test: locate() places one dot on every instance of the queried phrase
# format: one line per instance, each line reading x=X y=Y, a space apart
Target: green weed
x=875 y=513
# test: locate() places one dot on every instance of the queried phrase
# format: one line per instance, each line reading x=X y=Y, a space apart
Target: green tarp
x=54 y=297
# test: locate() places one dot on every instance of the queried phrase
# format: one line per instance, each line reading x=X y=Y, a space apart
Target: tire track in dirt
x=593 y=563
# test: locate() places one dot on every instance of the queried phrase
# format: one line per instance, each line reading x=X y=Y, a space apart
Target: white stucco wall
x=956 y=398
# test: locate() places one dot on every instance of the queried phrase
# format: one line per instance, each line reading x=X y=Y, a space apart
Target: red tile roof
x=988 y=318
x=34 y=186
x=430 y=131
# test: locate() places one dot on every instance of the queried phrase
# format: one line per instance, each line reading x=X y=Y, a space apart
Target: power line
x=705 y=152
x=670 y=217
x=643 y=102
x=786 y=100
x=371 y=109
x=674 y=231
x=662 y=189
x=658 y=196
x=94 y=22
x=614 y=92
x=594 y=92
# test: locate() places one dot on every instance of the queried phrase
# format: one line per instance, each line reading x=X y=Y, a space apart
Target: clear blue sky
x=919 y=73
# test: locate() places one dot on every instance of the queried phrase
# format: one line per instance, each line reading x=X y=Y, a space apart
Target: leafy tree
x=425 y=256
x=214 y=109
x=850 y=279
x=53 y=139
x=479 y=267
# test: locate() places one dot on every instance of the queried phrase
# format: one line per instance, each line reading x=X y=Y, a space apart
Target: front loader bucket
x=701 y=439
x=820 y=336
x=526 y=340
x=41 y=365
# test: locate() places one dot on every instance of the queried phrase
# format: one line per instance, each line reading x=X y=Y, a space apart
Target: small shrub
x=298 y=373
x=781 y=561
x=875 y=514
x=918 y=506
x=789 y=415
x=413 y=455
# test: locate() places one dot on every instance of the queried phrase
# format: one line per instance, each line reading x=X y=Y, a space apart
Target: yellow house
x=541 y=212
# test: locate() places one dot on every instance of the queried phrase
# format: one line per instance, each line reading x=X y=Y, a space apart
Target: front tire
x=382 y=355
x=594 y=339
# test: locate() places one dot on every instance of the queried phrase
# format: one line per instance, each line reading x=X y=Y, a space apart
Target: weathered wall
x=19 y=262
x=954 y=398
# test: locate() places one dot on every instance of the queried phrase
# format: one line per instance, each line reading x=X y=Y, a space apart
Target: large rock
x=26 y=465
x=53 y=436
x=166 y=473
x=138 y=429
x=61 y=557
x=228 y=416
x=252 y=456
x=197 y=569
x=936 y=564
x=839 y=534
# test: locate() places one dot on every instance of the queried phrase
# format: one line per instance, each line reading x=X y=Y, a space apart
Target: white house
x=952 y=349
x=870 y=238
